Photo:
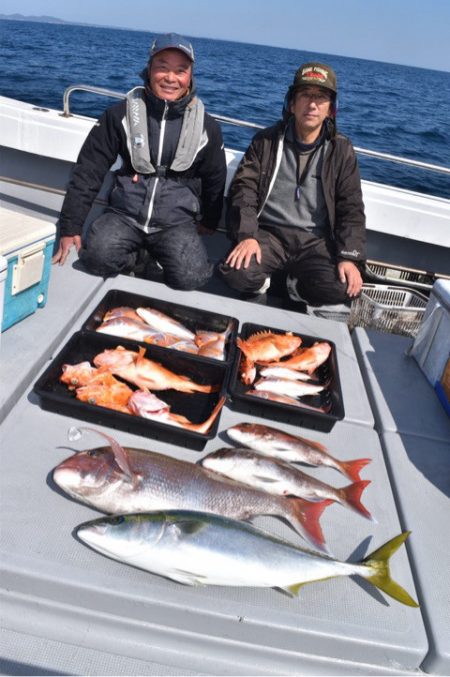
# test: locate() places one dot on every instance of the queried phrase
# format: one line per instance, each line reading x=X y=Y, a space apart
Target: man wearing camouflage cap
x=296 y=202
x=168 y=181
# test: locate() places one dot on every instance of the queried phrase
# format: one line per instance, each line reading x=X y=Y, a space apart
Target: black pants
x=113 y=244
x=303 y=255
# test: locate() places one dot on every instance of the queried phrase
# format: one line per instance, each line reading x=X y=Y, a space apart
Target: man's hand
x=243 y=252
x=65 y=245
x=349 y=274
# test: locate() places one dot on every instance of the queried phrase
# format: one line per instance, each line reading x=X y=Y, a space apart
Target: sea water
x=384 y=107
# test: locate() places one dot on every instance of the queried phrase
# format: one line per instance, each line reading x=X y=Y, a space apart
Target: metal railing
x=252 y=125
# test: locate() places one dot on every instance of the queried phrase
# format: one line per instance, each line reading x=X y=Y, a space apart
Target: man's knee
x=106 y=261
x=318 y=292
x=245 y=280
x=188 y=278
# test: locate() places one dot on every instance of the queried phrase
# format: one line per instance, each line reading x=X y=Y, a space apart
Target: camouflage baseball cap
x=172 y=41
x=318 y=74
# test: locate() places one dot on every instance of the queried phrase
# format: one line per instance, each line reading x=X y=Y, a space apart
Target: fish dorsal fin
x=119 y=453
x=140 y=355
x=260 y=335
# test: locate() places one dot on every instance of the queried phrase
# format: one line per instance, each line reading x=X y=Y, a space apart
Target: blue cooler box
x=27 y=245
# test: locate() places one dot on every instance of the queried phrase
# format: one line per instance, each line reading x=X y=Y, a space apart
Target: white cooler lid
x=19 y=230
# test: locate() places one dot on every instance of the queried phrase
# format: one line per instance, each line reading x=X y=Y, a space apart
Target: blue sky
x=410 y=32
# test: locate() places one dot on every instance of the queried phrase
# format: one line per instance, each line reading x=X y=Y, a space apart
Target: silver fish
x=162 y=322
x=281 y=478
x=116 y=479
x=126 y=327
x=285 y=399
x=284 y=386
x=194 y=548
x=284 y=372
x=274 y=442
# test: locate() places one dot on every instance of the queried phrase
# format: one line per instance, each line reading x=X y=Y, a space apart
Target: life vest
x=192 y=139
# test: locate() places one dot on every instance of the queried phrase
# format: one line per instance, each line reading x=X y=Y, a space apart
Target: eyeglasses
x=319 y=97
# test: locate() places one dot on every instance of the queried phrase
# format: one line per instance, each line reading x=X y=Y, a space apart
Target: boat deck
x=68 y=610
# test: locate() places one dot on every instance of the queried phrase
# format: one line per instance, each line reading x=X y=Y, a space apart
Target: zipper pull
x=297 y=194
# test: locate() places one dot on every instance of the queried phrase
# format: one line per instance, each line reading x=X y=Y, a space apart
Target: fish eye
x=119 y=519
x=93 y=452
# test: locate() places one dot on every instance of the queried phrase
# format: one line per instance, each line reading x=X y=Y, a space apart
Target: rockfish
x=75 y=375
x=203 y=549
x=281 y=478
x=273 y=442
x=264 y=347
x=106 y=391
x=307 y=359
x=162 y=322
x=267 y=346
x=115 y=479
x=147 y=374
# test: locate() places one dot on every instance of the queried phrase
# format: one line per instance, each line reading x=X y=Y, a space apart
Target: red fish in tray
x=264 y=347
x=147 y=374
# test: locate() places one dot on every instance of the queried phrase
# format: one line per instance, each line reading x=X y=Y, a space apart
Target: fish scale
x=147 y=480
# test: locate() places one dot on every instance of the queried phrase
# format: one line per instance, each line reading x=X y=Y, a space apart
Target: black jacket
x=340 y=182
x=180 y=197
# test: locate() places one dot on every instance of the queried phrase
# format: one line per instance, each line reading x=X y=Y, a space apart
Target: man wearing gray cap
x=296 y=202
x=168 y=189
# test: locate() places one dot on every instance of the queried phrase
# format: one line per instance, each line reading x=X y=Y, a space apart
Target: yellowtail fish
x=203 y=549
x=162 y=322
x=281 y=478
x=121 y=479
x=287 y=447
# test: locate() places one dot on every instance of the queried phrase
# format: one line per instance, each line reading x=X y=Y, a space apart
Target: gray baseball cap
x=172 y=41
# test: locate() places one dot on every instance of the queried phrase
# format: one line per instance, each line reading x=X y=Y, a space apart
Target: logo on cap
x=315 y=73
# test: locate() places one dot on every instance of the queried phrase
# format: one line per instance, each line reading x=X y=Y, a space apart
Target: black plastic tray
x=331 y=398
x=56 y=396
x=193 y=318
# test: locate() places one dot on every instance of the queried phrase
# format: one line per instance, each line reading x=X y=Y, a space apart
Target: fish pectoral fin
x=292 y=590
x=266 y=480
x=188 y=527
x=188 y=577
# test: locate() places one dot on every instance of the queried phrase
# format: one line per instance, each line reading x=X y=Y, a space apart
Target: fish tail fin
x=352 y=497
x=306 y=515
x=206 y=425
x=353 y=468
x=378 y=561
x=206 y=389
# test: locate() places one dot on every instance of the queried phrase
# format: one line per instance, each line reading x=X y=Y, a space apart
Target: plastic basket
x=396 y=310
x=385 y=273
